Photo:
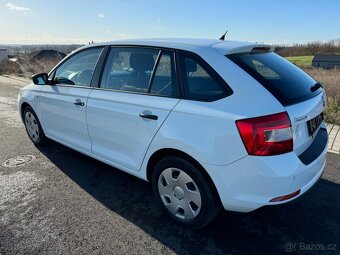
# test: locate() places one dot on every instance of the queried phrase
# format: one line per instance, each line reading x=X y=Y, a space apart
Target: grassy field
x=301 y=61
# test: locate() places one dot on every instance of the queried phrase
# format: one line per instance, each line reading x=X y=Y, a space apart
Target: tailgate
x=300 y=114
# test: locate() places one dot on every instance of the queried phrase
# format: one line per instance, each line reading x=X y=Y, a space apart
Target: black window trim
x=179 y=74
x=96 y=69
x=155 y=66
x=227 y=90
x=160 y=55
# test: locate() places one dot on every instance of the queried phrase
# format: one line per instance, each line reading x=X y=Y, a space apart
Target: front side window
x=129 y=69
x=199 y=81
x=78 y=69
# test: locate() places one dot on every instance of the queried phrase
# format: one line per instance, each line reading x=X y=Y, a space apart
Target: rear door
x=137 y=91
x=63 y=105
x=302 y=96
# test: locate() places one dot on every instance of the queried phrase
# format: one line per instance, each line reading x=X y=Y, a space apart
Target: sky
x=81 y=21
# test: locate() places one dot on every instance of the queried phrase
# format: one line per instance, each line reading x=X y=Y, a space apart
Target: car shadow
x=310 y=220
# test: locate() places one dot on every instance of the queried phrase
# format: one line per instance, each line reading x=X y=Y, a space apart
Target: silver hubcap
x=179 y=193
x=32 y=126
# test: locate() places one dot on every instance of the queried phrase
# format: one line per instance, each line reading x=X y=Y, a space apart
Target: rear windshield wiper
x=316 y=87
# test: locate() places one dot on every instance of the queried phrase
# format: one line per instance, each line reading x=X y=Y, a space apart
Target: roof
x=226 y=47
x=327 y=58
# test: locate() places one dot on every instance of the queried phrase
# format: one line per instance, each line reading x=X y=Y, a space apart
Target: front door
x=63 y=105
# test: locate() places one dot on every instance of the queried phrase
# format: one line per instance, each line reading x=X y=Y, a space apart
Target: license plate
x=314 y=124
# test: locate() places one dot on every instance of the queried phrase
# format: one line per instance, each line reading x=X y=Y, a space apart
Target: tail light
x=266 y=135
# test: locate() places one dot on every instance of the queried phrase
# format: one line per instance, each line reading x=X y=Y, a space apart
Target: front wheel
x=184 y=192
x=33 y=127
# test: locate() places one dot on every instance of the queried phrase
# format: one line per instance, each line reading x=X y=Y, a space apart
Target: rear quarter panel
x=202 y=131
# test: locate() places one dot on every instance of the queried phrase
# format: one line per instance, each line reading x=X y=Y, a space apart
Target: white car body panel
x=117 y=131
x=61 y=118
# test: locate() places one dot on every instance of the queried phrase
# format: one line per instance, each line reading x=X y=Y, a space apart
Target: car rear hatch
x=306 y=118
x=302 y=97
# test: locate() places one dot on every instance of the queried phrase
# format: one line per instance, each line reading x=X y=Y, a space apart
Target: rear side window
x=285 y=81
x=200 y=82
x=164 y=82
x=129 y=69
x=141 y=70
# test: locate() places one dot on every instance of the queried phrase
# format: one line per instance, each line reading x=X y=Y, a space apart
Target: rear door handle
x=148 y=116
x=79 y=102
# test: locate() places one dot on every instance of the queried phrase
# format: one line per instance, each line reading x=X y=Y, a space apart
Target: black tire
x=210 y=205
x=40 y=138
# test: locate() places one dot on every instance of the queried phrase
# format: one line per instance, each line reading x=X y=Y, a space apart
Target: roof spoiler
x=262 y=49
x=252 y=49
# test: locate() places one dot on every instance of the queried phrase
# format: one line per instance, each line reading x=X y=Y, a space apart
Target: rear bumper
x=252 y=181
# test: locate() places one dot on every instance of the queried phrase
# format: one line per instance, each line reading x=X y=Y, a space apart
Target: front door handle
x=148 y=116
x=79 y=102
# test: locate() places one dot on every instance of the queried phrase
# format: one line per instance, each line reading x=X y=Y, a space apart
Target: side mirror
x=40 y=79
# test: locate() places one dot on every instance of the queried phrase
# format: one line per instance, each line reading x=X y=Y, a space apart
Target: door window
x=129 y=69
x=164 y=81
x=78 y=69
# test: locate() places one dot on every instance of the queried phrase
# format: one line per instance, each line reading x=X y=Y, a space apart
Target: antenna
x=223 y=36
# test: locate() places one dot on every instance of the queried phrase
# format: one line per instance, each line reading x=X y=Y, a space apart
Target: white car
x=211 y=124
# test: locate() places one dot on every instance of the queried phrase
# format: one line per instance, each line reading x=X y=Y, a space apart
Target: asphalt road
x=66 y=203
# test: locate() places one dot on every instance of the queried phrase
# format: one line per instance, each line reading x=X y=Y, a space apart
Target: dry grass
x=9 y=67
x=26 y=67
x=330 y=79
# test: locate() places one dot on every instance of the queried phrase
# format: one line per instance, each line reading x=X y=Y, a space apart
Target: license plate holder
x=314 y=124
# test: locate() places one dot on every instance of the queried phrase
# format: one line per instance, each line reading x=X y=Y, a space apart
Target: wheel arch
x=23 y=106
x=22 y=109
x=161 y=153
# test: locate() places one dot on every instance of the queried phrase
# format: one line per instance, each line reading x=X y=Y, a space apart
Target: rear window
x=285 y=81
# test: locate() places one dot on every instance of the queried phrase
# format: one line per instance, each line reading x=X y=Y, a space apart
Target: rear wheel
x=33 y=127
x=184 y=193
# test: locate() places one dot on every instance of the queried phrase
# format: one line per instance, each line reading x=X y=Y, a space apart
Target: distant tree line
x=308 y=49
